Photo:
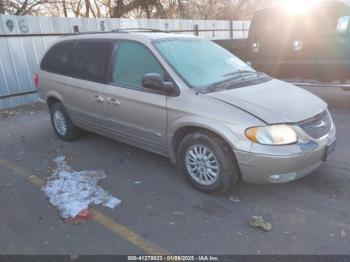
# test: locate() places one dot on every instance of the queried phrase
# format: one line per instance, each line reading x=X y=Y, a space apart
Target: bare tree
x=122 y=7
x=240 y=9
x=98 y=10
x=87 y=8
x=30 y=7
x=2 y=7
x=64 y=8
x=25 y=7
x=166 y=9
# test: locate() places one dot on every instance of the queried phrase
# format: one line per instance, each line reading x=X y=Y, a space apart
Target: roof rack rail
x=89 y=33
x=119 y=31
x=139 y=29
x=98 y=32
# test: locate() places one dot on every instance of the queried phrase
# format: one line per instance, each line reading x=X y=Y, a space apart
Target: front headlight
x=272 y=135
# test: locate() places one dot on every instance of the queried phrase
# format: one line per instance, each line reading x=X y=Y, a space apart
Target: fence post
x=231 y=29
x=196 y=30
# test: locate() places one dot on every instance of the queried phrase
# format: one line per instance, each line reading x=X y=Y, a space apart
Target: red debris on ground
x=84 y=215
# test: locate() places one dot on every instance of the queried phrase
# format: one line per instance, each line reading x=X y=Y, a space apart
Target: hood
x=274 y=101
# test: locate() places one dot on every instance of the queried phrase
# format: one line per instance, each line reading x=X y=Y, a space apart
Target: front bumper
x=271 y=164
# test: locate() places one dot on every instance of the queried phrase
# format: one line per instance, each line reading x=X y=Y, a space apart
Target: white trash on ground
x=72 y=191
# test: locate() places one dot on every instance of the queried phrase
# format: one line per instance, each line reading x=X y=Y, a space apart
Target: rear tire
x=207 y=162
x=62 y=123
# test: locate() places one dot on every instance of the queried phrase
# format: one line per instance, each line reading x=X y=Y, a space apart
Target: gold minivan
x=189 y=99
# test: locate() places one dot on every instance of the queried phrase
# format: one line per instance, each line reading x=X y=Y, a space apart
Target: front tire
x=207 y=162
x=62 y=123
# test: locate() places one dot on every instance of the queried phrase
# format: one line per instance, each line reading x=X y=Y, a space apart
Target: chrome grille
x=317 y=126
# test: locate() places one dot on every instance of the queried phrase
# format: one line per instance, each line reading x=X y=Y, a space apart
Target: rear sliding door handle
x=98 y=99
x=113 y=101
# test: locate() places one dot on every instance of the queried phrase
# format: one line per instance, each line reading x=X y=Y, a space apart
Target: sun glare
x=298 y=6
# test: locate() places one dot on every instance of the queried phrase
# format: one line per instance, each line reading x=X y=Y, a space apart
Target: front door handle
x=113 y=101
x=98 y=99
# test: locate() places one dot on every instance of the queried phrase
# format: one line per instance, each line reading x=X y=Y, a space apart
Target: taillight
x=36 y=80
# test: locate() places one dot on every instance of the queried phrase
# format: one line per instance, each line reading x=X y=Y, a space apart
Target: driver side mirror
x=155 y=81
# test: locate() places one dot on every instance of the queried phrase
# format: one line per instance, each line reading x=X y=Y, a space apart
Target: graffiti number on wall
x=23 y=27
x=10 y=25
x=102 y=25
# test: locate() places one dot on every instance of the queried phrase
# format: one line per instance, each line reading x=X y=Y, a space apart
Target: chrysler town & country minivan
x=189 y=99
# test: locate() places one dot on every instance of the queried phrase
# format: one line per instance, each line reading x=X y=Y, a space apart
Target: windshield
x=200 y=62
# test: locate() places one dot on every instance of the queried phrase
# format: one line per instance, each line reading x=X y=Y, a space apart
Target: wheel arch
x=52 y=100
x=53 y=97
x=185 y=128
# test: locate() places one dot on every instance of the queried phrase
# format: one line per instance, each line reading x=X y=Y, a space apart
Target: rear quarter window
x=57 y=59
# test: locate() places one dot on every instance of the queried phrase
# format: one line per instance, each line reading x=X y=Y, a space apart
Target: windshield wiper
x=219 y=85
x=243 y=72
x=223 y=84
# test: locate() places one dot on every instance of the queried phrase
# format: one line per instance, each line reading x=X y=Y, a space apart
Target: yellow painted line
x=36 y=180
x=126 y=233
x=99 y=217
x=14 y=168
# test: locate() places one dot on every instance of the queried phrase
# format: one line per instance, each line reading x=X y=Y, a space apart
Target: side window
x=133 y=61
x=343 y=24
x=90 y=59
x=56 y=59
